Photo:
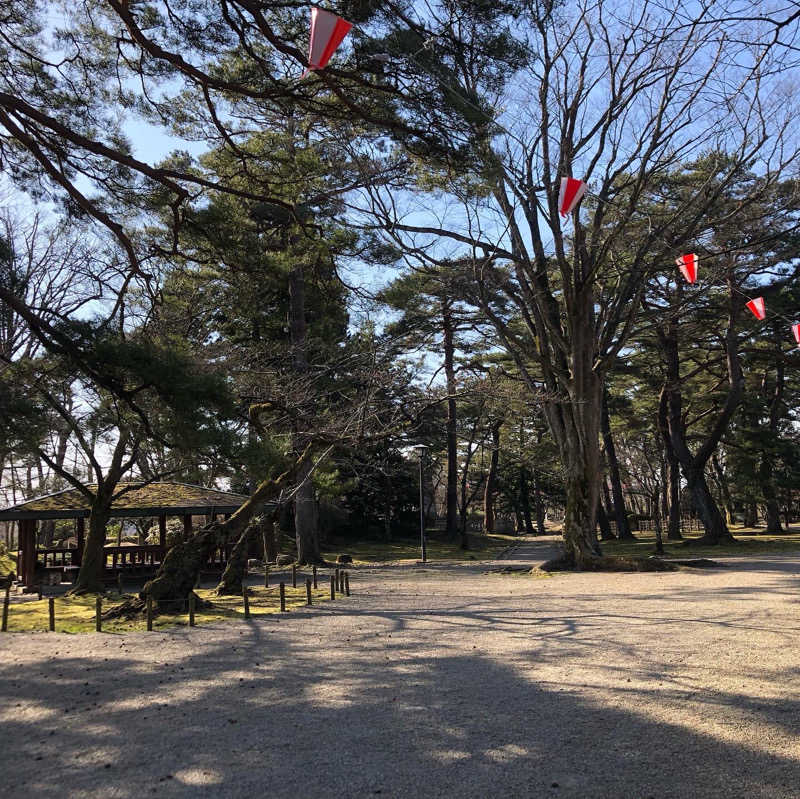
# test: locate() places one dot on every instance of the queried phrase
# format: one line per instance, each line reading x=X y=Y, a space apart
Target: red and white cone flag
x=571 y=193
x=757 y=307
x=688 y=267
x=327 y=32
x=796 y=331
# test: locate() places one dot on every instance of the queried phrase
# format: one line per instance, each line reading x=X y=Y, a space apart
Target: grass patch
x=77 y=614
x=749 y=542
x=482 y=547
x=8 y=564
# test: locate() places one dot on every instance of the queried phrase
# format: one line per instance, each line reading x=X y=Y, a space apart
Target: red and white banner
x=796 y=331
x=688 y=267
x=757 y=307
x=570 y=195
x=327 y=33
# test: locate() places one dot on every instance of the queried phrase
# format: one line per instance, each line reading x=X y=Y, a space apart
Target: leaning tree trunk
x=232 y=578
x=177 y=575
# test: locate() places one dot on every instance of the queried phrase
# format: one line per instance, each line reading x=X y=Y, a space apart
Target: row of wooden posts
x=340 y=582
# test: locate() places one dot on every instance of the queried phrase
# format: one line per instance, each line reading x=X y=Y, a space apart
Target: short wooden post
x=6 y=600
x=119 y=583
x=294 y=576
x=39 y=591
x=333 y=587
x=341 y=581
x=336 y=575
x=347 y=583
x=149 y=613
x=315 y=576
x=308 y=592
x=51 y=611
x=246 y=602
x=98 y=609
x=192 y=600
x=266 y=576
x=283 y=597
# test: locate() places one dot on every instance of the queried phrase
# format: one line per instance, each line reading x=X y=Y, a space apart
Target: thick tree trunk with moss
x=90 y=574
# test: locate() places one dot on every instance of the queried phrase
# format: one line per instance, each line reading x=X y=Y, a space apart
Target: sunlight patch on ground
x=196 y=776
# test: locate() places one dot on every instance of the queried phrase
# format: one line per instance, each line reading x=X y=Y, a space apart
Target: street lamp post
x=420 y=448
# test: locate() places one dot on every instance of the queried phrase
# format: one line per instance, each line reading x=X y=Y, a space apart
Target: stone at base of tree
x=284 y=560
x=344 y=559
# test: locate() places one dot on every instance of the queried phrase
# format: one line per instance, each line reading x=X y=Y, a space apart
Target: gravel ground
x=438 y=681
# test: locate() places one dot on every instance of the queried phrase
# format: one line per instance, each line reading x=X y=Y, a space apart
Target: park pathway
x=451 y=680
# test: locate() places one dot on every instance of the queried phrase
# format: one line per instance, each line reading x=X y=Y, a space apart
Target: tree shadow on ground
x=267 y=712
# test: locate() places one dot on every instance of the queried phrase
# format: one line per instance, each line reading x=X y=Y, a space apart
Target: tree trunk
x=715 y=529
x=750 y=514
x=268 y=527
x=90 y=574
x=673 y=477
x=771 y=507
x=538 y=504
x=231 y=581
x=602 y=521
x=451 y=522
x=491 y=480
x=727 y=499
x=693 y=465
x=525 y=500
x=623 y=528
x=765 y=467
x=306 y=525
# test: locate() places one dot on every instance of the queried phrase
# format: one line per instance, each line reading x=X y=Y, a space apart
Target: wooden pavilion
x=158 y=500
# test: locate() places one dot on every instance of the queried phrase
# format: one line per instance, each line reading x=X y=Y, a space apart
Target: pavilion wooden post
x=187 y=526
x=80 y=535
x=26 y=557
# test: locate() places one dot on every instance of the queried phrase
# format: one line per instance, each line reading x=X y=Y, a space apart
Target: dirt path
x=444 y=681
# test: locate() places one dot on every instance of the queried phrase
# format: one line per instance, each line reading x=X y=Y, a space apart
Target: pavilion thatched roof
x=135 y=499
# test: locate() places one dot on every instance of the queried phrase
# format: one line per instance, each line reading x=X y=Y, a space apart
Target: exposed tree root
x=607 y=563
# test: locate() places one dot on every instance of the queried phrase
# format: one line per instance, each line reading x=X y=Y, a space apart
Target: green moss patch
x=482 y=547
x=77 y=614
